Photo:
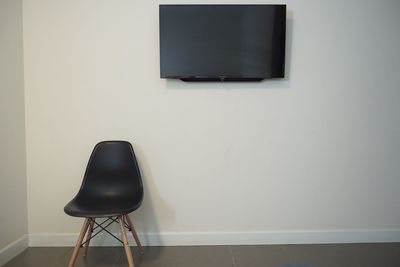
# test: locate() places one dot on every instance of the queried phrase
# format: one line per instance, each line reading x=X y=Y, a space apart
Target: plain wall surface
x=13 y=202
x=318 y=150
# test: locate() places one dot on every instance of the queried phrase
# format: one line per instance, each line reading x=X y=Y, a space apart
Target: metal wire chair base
x=90 y=225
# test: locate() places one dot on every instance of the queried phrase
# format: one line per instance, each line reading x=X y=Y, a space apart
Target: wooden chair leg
x=125 y=240
x=88 y=236
x=134 y=234
x=78 y=243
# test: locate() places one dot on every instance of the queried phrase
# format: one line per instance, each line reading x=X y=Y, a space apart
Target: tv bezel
x=224 y=78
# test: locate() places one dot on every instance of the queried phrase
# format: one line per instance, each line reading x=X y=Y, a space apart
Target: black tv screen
x=222 y=42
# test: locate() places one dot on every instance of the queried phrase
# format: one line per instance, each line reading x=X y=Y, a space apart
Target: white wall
x=317 y=151
x=13 y=204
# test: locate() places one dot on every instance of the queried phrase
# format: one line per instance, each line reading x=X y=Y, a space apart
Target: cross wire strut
x=103 y=228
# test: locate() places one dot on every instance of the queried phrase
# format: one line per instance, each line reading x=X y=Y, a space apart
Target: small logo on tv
x=295 y=265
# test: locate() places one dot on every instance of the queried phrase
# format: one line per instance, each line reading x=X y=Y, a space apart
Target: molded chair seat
x=101 y=206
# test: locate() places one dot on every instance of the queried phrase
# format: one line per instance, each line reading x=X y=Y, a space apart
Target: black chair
x=111 y=189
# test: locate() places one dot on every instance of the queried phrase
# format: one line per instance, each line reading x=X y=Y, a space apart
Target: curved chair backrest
x=113 y=171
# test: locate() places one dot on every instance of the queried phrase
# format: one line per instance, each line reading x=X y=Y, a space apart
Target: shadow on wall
x=147 y=218
x=284 y=83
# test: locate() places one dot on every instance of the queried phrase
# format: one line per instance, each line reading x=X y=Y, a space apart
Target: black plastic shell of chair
x=112 y=184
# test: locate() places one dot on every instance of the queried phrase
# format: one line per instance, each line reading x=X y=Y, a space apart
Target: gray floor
x=338 y=255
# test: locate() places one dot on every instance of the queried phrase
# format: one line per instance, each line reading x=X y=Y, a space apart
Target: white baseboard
x=13 y=249
x=228 y=238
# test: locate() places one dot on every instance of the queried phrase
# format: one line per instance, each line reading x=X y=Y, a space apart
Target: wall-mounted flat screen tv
x=222 y=42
